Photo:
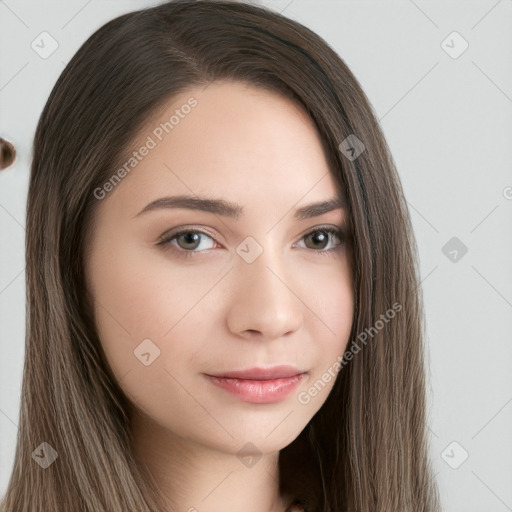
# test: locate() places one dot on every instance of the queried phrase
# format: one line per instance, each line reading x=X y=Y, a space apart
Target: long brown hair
x=366 y=449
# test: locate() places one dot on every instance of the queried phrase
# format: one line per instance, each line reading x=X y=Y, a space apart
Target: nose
x=265 y=302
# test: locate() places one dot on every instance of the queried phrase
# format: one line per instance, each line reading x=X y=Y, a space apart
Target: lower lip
x=259 y=391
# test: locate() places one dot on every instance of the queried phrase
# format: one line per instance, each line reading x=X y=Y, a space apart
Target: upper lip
x=258 y=373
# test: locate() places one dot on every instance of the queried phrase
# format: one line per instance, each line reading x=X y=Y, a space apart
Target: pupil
x=319 y=234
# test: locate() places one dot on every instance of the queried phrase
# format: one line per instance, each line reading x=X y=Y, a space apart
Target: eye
x=322 y=234
x=187 y=242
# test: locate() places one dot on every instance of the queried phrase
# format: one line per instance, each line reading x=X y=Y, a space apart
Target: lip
x=260 y=385
x=258 y=391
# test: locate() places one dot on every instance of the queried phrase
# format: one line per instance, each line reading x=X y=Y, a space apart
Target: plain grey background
x=439 y=76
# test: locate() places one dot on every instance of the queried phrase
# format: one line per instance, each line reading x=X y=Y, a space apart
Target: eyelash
x=166 y=240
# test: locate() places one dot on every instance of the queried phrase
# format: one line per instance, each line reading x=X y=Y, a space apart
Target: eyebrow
x=235 y=211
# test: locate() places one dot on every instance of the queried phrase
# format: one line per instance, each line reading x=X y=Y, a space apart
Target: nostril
x=7 y=154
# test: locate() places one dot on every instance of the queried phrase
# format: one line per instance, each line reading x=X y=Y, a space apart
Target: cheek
x=328 y=295
x=142 y=295
x=332 y=311
x=148 y=319
x=150 y=313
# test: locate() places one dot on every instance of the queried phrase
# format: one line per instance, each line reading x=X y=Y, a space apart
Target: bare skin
x=214 y=311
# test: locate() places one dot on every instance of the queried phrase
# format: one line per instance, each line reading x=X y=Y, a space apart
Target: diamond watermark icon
x=454 y=249
x=146 y=352
x=44 y=45
x=44 y=455
x=352 y=147
x=454 y=45
x=454 y=455
x=249 y=455
x=249 y=249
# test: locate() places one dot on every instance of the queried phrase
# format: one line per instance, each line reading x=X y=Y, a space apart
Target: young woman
x=223 y=305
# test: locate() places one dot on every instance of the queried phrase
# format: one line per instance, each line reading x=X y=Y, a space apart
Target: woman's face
x=260 y=289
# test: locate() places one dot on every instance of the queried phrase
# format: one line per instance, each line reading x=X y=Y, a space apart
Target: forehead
x=237 y=140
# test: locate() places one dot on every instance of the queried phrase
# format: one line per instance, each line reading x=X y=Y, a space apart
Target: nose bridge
x=263 y=298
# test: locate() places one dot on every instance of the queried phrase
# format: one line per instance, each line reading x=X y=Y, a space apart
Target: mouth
x=260 y=373
x=258 y=385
